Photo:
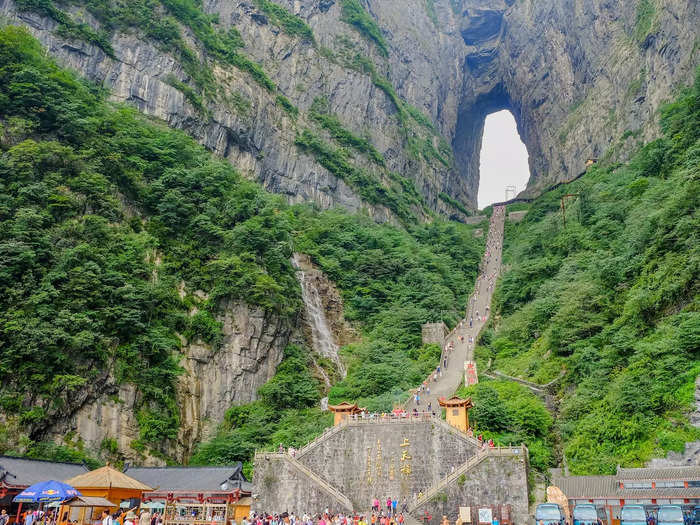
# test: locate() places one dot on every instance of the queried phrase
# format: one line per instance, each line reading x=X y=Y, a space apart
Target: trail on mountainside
x=459 y=344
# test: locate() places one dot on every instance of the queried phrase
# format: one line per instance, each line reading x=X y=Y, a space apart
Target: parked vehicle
x=589 y=514
x=633 y=515
x=670 y=515
x=585 y=514
x=549 y=514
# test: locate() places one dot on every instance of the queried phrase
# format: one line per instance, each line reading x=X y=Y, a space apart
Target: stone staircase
x=329 y=489
x=463 y=469
x=330 y=431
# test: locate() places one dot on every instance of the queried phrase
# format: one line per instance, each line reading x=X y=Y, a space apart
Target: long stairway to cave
x=463 y=337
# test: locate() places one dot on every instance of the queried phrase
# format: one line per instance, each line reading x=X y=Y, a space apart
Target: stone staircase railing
x=322 y=483
x=388 y=419
x=330 y=431
x=464 y=468
x=445 y=425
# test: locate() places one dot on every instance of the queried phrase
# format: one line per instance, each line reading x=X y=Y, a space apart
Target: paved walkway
x=464 y=336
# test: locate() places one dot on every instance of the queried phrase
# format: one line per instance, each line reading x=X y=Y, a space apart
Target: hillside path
x=464 y=336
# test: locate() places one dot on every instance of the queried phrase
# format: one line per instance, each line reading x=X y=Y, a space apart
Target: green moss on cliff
x=355 y=15
x=290 y=23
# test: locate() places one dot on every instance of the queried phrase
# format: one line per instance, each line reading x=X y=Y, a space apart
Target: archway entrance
x=503 y=159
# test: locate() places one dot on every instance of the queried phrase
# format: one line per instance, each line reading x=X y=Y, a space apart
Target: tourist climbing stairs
x=463 y=337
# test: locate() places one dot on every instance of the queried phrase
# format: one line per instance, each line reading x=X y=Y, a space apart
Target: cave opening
x=503 y=159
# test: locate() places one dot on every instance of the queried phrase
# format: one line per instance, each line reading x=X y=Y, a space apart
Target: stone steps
x=462 y=470
x=317 y=480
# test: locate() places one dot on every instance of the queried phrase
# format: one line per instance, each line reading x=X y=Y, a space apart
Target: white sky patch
x=503 y=159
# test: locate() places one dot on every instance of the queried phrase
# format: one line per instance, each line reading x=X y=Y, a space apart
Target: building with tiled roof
x=645 y=486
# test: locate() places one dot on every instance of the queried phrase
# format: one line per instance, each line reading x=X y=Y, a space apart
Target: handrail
x=465 y=467
x=330 y=489
x=326 y=434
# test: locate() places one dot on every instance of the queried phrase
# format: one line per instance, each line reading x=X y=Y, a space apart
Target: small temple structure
x=457 y=411
x=343 y=411
x=109 y=483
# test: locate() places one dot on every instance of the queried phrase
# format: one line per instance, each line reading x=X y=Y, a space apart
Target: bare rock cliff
x=213 y=380
x=584 y=79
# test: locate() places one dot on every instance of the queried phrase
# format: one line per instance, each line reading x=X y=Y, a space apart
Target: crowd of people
x=374 y=517
x=50 y=516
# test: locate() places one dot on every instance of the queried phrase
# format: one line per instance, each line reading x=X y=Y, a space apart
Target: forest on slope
x=104 y=213
x=611 y=297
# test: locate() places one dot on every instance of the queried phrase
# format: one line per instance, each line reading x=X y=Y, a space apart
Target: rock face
x=213 y=380
x=582 y=78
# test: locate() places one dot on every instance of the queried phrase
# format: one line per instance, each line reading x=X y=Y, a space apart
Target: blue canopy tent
x=45 y=492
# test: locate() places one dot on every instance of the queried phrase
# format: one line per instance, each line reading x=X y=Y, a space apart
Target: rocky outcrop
x=213 y=380
x=217 y=378
x=583 y=79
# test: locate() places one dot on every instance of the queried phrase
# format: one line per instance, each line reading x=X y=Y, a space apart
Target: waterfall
x=321 y=335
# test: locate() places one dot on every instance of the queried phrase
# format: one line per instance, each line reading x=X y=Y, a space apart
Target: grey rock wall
x=583 y=78
x=364 y=461
x=213 y=380
x=293 y=490
x=495 y=481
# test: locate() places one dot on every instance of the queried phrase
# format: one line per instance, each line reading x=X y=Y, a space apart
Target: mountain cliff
x=380 y=104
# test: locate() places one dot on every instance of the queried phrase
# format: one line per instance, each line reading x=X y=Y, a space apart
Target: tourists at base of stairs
x=323 y=519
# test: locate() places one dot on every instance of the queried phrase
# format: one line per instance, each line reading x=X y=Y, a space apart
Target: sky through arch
x=503 y=160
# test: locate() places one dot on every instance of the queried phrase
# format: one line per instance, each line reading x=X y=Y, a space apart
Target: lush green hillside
x=104 y=213
x=612 y=297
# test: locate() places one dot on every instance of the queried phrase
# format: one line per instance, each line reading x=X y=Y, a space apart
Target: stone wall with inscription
x=388 y=459
x=350 y=465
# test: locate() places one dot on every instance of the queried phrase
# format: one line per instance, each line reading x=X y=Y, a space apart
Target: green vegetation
x=190 y=94
x=287 y=412
x=612 y=298
x=105 y=215
x=509 y=413
x=430 y=10
x=392 y=282
x=102 y=215
x=418 y=145
x=646 y=10
x=290 y=23
x=286 y=105
x=454 y=203
x=150 y=18
x=66 y=25
x=355 y=15
x=367 y=185
x=330 y=122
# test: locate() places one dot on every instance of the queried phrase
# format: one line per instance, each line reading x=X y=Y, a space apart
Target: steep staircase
x=321 y=483
x=452 y=376
x=468 y=465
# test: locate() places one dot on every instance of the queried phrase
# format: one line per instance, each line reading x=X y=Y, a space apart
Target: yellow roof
x=107 y=477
